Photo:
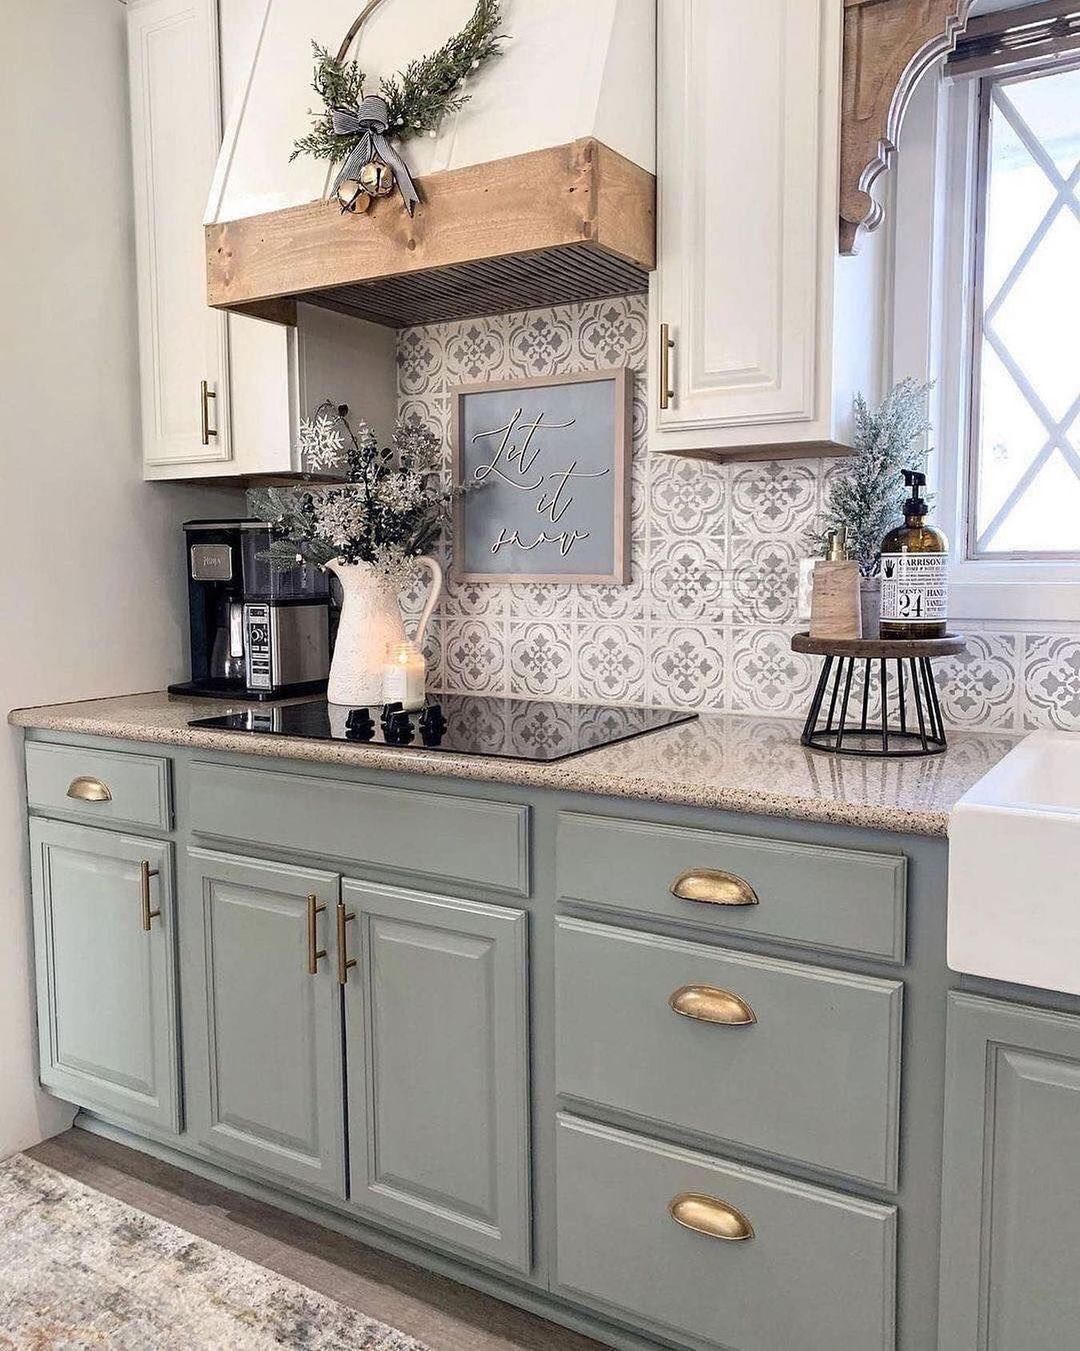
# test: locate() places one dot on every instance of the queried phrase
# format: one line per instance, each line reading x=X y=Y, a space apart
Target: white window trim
x=932 y=336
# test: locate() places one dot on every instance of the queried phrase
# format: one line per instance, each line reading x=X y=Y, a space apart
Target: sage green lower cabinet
x=266 y=1079
x=104 y=939
x=814 y=1270
x=563 y=1047
x=437 y=1049
x=1010 y=1260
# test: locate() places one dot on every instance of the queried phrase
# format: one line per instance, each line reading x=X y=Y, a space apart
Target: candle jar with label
x=404 y=675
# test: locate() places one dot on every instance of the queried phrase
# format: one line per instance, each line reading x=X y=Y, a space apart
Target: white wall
x=92 y=597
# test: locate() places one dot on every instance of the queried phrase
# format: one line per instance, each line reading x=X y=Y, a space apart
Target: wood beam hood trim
x=888 y=45
x=481 y=235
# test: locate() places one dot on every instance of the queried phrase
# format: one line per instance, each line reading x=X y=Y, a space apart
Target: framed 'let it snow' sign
x=547 y=461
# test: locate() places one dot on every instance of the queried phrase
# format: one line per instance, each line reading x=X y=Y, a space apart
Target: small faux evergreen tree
x=867 y=499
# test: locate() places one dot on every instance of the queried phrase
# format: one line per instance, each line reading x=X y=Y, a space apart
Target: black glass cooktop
x=518 y=729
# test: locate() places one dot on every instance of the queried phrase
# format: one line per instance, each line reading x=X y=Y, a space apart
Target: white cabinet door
x=176 y=131
x=748 y=112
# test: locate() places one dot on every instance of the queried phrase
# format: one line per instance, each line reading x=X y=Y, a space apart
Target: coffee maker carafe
x=256 y=632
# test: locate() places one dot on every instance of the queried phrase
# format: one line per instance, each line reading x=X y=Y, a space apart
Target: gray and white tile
x=766 y=676
x=1051 y=674
x=474 y=656
x=686 y=580
x=979 y=687
x=611 y=663
x=775 y=497
x=686 y=666
x=542 y=660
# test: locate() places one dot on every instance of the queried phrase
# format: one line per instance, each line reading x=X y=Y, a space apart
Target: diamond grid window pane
x=1026 y=470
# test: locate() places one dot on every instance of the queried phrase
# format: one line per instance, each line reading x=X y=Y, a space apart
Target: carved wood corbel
x=888 y=45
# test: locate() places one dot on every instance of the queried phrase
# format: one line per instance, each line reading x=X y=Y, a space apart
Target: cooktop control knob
x=432 y=725
x=359 y=725
x=398 y=730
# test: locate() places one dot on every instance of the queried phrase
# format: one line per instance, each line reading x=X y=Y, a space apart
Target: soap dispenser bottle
x=835 y=607
x=914 y=561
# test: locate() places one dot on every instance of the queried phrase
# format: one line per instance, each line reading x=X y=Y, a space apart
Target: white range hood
x=539 y=189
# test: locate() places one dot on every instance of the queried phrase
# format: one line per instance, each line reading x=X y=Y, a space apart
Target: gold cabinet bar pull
x=710 y=1216
x=709 y=1005
x=314 y=909
x=667 y=342
x=344 y=961
x=205 y=395
x=713 y=886
x=145 y=874
x=88 y=789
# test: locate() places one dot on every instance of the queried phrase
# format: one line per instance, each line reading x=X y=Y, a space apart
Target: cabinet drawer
x=818 y=1272
x=812 y=1073
x=847 y=900
x=435 y=835
x=106 y=787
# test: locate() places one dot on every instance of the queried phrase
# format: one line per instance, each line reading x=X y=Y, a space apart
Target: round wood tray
x=874 y=648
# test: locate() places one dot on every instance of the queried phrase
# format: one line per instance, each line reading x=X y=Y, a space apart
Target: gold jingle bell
x=352 y=196
x=377 y=179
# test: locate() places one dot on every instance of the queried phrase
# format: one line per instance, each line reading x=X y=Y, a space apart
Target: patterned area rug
x=80 y=1269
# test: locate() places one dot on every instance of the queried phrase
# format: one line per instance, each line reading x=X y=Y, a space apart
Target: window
x=1023 y=471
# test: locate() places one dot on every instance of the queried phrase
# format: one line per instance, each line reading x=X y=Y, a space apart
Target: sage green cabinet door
x=435 y=1017
x=1010 y=1258
x=106 y=985
x=266 y=1082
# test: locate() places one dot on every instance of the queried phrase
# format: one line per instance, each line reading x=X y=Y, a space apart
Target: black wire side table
x=894 y=708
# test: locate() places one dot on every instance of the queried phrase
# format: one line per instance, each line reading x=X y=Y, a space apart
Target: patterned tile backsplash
x=706 y=619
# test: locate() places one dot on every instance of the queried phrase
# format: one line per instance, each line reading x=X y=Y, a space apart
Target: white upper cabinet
x=770 y=331
x=221 y=394
x=176 y=130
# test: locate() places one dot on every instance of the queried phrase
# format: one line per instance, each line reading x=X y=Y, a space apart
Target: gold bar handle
x=344 y=961
x=205 y=395
x=89 y=789
x=710 y=1216
x=713 y=886
x=709 y=1005
x=314 y=909
x=145 y=874
x=667 y=342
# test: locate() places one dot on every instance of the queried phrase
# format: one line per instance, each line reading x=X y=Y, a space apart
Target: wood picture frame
x=607 y=449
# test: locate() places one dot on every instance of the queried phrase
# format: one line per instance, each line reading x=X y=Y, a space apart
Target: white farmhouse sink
x=1014 y=868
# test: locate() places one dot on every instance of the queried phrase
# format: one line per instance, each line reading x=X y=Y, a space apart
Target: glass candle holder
x=404 y=675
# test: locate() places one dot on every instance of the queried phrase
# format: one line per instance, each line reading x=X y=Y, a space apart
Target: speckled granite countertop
x=730 y=761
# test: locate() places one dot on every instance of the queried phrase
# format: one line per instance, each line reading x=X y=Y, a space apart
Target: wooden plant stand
x=913 y=727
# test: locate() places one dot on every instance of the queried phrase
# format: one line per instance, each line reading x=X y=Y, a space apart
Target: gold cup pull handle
x=667 y=342
x=314 y=952
x=713 y=886
x=145 y=874
x=205 y=395
x=710 y=1216
x=708 y=1004
x=88 y=789
x=344 y=961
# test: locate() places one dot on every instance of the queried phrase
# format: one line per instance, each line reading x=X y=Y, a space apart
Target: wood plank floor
x=448 y=1316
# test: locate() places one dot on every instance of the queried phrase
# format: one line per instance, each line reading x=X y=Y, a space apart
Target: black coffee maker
x=256 y=632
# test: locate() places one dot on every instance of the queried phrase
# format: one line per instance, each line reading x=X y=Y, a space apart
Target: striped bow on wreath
x=370 y=123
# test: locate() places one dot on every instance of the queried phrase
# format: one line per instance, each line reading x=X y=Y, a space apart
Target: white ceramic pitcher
x=370 y=621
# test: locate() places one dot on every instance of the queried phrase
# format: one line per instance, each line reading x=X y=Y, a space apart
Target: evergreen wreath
x=418 y=98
